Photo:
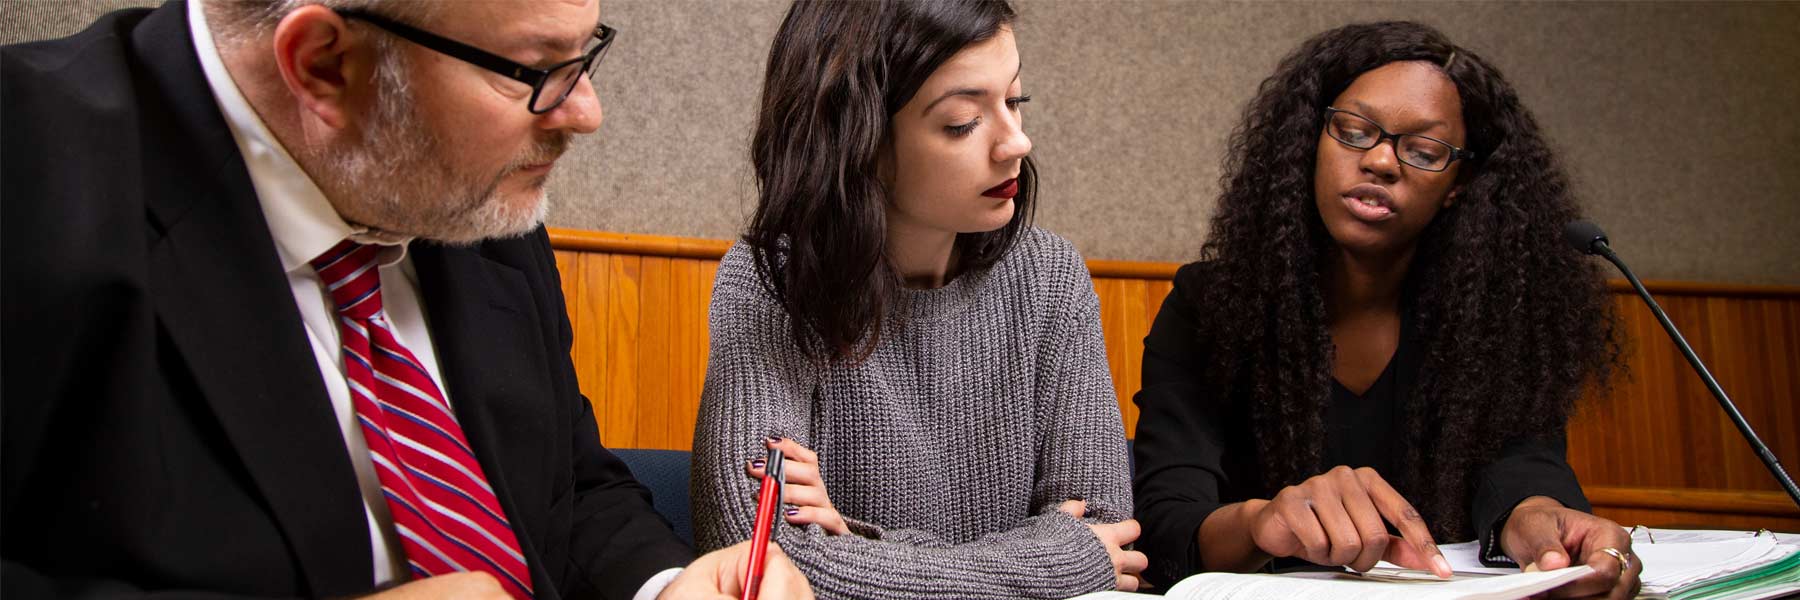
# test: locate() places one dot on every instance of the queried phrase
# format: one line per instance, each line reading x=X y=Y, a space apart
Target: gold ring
x=1624 y=559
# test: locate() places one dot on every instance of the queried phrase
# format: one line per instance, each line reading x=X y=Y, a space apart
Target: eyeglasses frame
x=536 y=78
x=1456 y=153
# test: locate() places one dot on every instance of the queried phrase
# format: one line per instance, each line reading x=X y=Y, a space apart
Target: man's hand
x=1543 y=535
x=721 y=573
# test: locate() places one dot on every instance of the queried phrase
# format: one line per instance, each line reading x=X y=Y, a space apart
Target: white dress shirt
x=304 y=225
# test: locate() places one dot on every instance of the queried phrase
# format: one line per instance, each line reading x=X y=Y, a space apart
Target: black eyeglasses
x=560 y=78
x=1417 y=151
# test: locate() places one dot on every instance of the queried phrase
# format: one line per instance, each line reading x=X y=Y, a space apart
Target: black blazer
x=165 y=427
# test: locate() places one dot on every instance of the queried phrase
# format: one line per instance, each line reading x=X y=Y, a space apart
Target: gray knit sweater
x=947 y=450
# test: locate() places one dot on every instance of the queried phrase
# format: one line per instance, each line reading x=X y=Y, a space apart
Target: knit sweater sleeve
x=757 y=385
x=1082 y=435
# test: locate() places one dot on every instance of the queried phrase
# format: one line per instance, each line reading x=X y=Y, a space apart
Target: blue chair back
x=665 y=472
x=1131 y=455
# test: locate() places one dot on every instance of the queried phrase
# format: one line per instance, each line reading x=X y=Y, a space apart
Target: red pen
x=768 y=503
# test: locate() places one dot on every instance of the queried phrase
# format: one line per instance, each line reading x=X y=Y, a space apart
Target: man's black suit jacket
x=165 y=427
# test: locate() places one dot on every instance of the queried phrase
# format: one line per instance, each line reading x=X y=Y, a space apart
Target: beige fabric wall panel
x=1680 y=122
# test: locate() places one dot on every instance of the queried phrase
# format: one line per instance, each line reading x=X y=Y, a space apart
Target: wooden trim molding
x=680 y=247
x=1124 y=269
x=1743 y=502
x=637 y=243
x=1699 y=288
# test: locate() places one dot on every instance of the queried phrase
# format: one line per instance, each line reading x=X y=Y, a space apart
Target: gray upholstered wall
x=1680 y=121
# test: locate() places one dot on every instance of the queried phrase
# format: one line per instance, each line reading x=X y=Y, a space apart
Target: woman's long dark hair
x=837 y=73
x=1514 y=324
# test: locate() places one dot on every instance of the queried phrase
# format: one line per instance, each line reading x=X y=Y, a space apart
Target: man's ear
x=324 y=64
x=1450 y=199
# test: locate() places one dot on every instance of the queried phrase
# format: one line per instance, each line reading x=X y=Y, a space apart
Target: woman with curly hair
x=930 y=365
x=1384 y=317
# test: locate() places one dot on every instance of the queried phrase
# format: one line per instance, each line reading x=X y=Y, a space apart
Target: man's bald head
x=234 y=22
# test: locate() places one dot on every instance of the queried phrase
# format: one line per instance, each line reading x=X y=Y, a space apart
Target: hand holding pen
x=803 y=487
x=768 y=503
x=719 y=575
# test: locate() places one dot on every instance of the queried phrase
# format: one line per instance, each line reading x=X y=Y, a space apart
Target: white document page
x=1228 y=586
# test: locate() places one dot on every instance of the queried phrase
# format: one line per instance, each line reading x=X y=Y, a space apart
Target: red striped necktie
x=445 y=512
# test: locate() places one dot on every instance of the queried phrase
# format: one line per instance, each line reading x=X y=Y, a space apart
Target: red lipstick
x=1006 y=189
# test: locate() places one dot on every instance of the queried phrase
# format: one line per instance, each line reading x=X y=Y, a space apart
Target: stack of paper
x=1682 y=564
x=1717 y=565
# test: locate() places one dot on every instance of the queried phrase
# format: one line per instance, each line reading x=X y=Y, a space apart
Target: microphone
x=1587 y=238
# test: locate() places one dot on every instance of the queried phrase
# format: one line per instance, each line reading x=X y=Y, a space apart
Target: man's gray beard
x=393 y=176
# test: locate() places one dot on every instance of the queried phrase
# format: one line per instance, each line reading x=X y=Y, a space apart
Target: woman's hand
x=1340 y=518
x=1128 y=565
x=1544 y=535
x=805 y=490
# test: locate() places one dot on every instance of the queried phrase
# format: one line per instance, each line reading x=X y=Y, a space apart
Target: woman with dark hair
x=1384 y=311
x=893 y=323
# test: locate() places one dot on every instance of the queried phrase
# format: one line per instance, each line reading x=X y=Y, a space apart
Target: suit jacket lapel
x=221 y=296
x=490 y=351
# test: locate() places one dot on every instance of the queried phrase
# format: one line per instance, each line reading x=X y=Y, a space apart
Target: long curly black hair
x=1514 y=324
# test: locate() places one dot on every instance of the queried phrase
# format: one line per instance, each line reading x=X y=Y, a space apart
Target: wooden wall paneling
x=1718 y=344
x=1711 y=455
x=620 y=409
x=1136 y=323
x=1632 y=436
x=1746 y=350
x=1661 y=428
x=1733 y=353
x=1656 y=436
x=1690 y=438
x=1701 y=448
x=568 y=272
x=1112 y=295
x=586 y=290
x=1128 y=307
x=656 y=319
x=1784 y=353
x=1732 y=339
x=692 y=294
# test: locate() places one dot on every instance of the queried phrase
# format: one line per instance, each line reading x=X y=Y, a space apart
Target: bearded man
x=281 y=317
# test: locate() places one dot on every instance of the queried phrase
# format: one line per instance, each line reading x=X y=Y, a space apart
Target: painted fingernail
x=758 y=463
x=774 y=439
x=791 y=511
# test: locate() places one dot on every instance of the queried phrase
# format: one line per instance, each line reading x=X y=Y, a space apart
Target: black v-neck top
x=1352 y=419
x=1196 y=448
